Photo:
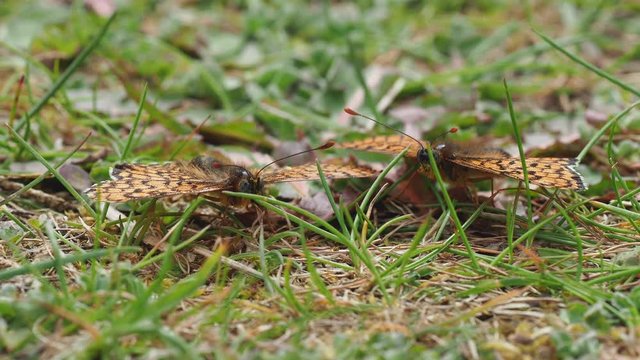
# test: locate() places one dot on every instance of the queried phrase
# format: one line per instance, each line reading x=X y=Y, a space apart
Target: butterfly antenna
x=355 y=113
x=443 y=134
x=325 y=146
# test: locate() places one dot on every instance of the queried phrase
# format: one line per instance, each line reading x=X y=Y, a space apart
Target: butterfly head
x=246 y=182
x=423 y=155
x=238 y=178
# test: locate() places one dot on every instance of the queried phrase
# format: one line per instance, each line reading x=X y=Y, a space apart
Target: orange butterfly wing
x=392 y=144
x=140 y=181
x=309 y=172
x=545 y=172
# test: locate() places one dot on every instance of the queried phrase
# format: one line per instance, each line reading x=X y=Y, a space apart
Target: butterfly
x=205 y=175
x=458 y=163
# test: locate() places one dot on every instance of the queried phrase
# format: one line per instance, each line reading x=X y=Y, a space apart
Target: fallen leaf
x=374 y=76
x=318 y=204
x=417 y=120
x=286 y=148
x=29 y=167
x=104 y=8
x=595 y=118
x=76 y=176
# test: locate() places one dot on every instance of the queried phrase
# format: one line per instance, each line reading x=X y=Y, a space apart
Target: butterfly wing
x=309 y=172
x=140 y=181
x=472 y=149
x=545 y=172
x=392 y=144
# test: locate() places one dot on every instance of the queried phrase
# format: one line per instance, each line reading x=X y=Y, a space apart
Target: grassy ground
x=372 y=274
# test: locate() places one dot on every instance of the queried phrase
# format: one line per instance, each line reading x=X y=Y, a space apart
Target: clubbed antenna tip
x=351 y=112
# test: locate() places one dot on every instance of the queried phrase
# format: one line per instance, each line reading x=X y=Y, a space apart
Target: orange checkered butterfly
x=459 y=164
x=205 y=175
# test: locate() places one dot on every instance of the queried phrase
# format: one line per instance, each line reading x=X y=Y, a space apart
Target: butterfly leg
x=471 y=192
x=224 y=206
x=492 y=198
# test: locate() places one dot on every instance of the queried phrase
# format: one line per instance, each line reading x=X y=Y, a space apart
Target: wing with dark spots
x=140 y=181
x=545 y=172
x=393 y=144
x=310 y=172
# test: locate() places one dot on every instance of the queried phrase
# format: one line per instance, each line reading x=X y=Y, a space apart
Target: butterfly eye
x=423 y=157
x=245 y=186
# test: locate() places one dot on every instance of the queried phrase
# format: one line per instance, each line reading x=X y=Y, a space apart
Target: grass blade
x=73 y=67
x=588 y=65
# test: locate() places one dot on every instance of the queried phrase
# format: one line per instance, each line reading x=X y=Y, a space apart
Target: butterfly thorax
x=440 y=153
x=237 y=178
x=446 y=156
x=243 y=181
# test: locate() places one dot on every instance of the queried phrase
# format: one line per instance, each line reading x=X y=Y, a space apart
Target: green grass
x=368 y=268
